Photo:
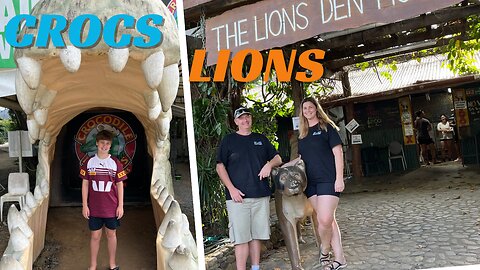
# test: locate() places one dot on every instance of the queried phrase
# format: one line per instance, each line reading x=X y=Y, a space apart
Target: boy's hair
x=104 y=135
x=419 y=113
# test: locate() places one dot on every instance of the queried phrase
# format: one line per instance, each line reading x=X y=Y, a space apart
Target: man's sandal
x=115 y=268
x=335 y=265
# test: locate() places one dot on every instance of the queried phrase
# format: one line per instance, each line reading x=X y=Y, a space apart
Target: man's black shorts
x=96 y=223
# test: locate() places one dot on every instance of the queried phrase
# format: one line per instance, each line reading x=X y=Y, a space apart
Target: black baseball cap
x=241 y=111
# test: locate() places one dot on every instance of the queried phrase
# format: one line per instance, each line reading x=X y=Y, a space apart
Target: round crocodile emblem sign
x=123 y=143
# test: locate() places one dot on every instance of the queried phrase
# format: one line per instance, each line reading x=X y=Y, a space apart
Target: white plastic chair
x=18 y=186
x=395 y=151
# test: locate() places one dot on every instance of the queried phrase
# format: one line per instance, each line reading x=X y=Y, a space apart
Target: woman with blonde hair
x=320 y=147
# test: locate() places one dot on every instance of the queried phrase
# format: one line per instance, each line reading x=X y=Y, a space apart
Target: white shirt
x=446 y=130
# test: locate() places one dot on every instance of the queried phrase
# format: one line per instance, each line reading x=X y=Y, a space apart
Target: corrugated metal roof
x=408 y=73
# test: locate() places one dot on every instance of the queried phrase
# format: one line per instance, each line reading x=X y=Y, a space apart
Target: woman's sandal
x=335 y=265
x=325 y=259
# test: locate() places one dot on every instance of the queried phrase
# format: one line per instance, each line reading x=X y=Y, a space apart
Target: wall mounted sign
x=352 y=125
x=123 y=144
x=9 y=9
x=296 y=122
x=357 y=139
x=460 y=105
x=276 y=23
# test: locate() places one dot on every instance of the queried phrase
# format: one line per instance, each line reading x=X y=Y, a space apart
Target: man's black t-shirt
x=422 y=124
x=316 y=152
x=244 y=157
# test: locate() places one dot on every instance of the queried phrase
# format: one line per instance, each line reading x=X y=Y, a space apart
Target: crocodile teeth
x=182 y=261
x=173 y=213
x=26 y=95
x=18 y=240
x=118 y=58
x=40 y=116
x=37 y=193
x=31 y=71
x=71 y=58
x=8 y=262
x=171 y=237
x=153 y=103
x=163 y=124
x=30 y=200
x=153 y=69
x=167 y=202
x=33 y=129
x=168 y=87
x=44 y=187
x=15 y=220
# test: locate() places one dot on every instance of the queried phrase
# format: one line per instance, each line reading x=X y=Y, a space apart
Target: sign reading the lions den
x=123 y=144
x=276 y=23
x=8 y=10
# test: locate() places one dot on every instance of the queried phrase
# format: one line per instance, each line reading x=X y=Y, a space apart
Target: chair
x=395 y=151
x=18 y=186
x=372 y=163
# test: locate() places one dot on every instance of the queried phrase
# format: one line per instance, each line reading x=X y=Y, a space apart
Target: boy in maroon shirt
x=102 y=197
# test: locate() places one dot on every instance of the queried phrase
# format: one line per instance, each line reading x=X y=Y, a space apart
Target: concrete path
x=68 y=240
x=422 y=219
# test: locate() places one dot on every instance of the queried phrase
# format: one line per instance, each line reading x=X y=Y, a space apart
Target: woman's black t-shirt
x=316 y=152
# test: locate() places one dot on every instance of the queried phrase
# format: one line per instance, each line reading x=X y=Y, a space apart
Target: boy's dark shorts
x=96 y=223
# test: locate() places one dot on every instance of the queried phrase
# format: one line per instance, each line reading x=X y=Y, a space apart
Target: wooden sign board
x=276 y=23
x=192 y=3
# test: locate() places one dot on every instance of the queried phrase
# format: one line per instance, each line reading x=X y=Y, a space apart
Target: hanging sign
x=275 y=23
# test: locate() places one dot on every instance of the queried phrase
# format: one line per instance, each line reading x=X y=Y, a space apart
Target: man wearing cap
x=244 y=162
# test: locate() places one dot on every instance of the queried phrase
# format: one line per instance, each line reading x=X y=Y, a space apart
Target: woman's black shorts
x=321 y=188
x=425 y=140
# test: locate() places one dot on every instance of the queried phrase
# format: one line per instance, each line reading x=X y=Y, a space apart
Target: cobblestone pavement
x=421 y=219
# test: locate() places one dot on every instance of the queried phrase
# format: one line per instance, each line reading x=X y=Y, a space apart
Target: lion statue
x=292 y=206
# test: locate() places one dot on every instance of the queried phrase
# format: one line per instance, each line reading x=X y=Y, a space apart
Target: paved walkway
x=421 y=219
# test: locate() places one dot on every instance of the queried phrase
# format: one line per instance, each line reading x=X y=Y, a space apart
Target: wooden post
x=297 y=96
x=349 y=115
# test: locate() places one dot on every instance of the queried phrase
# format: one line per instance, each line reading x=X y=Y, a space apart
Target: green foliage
x=269 y=100
x=210 y=116
x=460 y=53
x=5 y=126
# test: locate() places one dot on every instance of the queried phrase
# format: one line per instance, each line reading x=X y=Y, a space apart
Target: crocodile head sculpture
x=56 y=84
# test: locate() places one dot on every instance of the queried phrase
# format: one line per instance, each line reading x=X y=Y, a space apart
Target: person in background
x=423 y=126
x=446 y=137
x=244 y=162
x=456 y=141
